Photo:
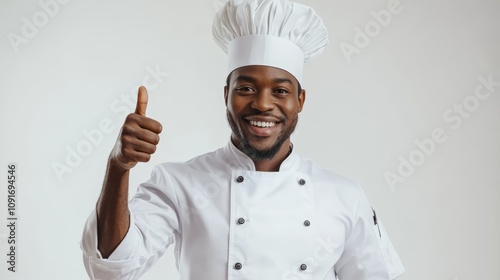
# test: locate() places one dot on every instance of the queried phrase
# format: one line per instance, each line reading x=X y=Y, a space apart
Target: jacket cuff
x=123 y=259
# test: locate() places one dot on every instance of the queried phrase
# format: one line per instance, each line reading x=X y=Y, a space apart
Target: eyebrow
x=283 y=80
x=254 y=80
x=246 y=79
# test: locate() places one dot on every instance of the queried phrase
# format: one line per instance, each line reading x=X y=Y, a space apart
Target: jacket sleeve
x=154 y=225
x=368 y=253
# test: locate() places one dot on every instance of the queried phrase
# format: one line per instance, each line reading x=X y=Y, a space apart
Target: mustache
x=263 y=114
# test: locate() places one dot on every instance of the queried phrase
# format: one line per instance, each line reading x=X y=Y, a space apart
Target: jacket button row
x=302 y=182
x=239 y=266
x=241 y=221
x=240 y=179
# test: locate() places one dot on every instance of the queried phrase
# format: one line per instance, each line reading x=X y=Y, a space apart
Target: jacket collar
x=238 y=160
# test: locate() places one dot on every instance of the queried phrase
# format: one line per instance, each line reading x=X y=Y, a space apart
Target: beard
x=262 y=154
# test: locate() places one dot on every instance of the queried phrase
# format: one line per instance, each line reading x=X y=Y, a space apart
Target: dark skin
x=136 y=143
x=254 y=94
x=265 y=94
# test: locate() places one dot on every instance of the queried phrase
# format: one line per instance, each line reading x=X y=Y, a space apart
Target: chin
x=260 y=152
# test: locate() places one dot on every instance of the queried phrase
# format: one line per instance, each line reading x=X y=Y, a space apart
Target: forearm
x=112 y=209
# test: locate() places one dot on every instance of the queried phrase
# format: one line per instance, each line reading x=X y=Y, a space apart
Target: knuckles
x=131 y=117
x=134 y=121
x=129 y=129
x=131 y=149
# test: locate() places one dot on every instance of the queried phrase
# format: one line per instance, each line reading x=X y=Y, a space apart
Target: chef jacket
x=229 y=221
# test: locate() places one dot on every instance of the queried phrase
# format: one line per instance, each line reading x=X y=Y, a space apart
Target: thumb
x=142 y=101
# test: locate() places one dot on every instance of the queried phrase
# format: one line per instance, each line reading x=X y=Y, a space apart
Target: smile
x=262 y=124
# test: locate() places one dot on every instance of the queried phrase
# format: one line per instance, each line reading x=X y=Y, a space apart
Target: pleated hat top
x=277 y=33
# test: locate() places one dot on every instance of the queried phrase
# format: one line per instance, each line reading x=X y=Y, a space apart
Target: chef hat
x=277 y=33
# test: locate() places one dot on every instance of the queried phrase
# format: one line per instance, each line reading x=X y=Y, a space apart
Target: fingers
x=149 y=137
x=140 y=109
x=149 y=124
x=134 y=145
x=135 y=150
x=142 y=101
x=142 y=129
x=138 y=137
x=135 y=121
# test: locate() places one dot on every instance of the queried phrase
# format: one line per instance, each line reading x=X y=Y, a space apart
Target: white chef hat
x=277 y=33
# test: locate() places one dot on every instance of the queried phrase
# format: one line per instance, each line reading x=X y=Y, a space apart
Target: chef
x=253 y=209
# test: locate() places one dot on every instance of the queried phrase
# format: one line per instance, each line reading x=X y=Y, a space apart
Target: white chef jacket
x=229 y=221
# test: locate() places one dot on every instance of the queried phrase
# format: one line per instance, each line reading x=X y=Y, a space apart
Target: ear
x=225 y=94
x=302 y=99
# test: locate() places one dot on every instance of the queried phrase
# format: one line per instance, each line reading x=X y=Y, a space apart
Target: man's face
x=262 y=109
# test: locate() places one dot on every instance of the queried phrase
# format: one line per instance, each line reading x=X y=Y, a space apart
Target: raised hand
x=138 y=137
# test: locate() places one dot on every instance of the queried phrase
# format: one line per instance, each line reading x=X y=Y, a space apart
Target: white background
x=359 y=118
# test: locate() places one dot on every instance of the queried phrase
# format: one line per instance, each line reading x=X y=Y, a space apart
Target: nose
x=263 y=101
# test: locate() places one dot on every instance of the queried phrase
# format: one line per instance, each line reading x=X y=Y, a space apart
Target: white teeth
x=262 y=124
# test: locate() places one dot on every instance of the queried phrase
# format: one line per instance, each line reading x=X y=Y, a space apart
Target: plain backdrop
x=67 y=82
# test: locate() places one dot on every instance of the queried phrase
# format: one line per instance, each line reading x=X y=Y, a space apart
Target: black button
x=240 y=179
x=307 y=223
x=238 y=266
x=302 y=182
x=303 y=266
x=241 y=221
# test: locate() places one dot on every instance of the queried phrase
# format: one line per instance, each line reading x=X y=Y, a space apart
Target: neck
x=274 y=163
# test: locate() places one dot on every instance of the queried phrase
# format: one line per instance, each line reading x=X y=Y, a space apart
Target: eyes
x=247 y=90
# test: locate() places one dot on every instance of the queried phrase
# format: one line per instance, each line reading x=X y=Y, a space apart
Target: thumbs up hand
x=138 y=137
